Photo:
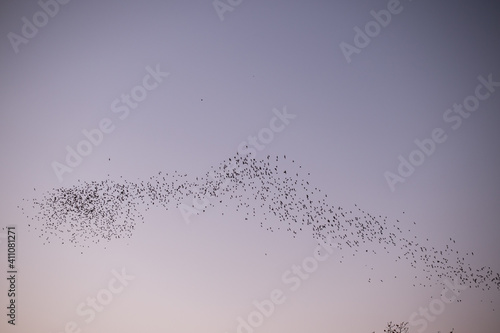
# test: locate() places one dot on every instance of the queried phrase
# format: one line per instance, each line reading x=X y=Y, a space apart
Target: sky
x=382 y=108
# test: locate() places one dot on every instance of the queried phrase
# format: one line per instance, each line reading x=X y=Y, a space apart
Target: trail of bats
x=97 y=211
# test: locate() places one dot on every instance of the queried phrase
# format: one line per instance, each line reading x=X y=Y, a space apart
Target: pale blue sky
x=352 y=122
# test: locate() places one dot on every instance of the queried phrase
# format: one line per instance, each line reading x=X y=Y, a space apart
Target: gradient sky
x=352 y=122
